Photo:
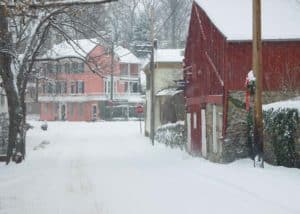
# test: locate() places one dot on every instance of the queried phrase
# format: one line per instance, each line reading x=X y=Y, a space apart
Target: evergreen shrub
x=173 y=135
x=281 y=126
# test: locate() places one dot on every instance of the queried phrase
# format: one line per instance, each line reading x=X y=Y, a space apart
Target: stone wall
x=297 y=146
x=235 y=143
x=3 y=132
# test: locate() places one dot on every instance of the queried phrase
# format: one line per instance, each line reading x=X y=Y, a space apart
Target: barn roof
x=280 y=18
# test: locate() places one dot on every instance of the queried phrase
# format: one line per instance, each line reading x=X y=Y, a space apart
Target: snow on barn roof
x=287 y=104
x=280 y=18
x=126 y=56
x=77 y=48
x=169 y=55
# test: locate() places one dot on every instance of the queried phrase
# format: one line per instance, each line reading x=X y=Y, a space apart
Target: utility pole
x=257 y=68
x=152 y=75
x=112 y=71
x=152 y=87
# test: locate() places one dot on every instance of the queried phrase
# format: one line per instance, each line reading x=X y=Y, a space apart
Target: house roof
x=77 y=48
x=168 y=92
x=169 y=55
x=280 y=18
x=81 y=48
x=126 y=56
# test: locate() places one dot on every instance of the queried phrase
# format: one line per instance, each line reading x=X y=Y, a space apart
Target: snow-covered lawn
x=110 y=168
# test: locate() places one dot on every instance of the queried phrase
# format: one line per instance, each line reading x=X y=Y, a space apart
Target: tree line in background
x=135 y=23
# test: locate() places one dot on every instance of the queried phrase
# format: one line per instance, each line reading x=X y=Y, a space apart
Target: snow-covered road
x=110 y=168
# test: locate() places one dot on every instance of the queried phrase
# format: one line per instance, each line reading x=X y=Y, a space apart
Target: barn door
x=203 y=133
x=189 y=132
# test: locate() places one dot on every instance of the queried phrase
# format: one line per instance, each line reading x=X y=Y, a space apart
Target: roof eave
x=264 y=40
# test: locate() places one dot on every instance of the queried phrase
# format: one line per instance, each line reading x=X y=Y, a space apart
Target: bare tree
x=25 y=26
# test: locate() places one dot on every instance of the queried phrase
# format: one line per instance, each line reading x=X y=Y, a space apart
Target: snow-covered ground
x=110 y=168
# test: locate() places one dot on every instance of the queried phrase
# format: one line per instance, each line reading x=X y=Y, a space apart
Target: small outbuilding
x=168 y=99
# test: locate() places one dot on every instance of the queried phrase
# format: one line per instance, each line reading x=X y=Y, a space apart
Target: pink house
x=74 y=90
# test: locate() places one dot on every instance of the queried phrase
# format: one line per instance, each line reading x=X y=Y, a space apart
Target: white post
x=203 y=133
x=215 y=142
x=189 y=136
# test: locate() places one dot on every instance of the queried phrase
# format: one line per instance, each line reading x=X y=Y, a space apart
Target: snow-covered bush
x=280 y=130
x=172 y=134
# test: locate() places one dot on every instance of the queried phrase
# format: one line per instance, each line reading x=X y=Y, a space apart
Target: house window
x=134 y=87
x=64 y=87
x=74 y=67
x=57 y=88
x=80 y=109
x=80 y=87
x=81 y=68
x=50 y=68
x=50 y=88
x=71 y=109
x=61 y=87
x=58 y=68
x=124 y=69
x=73 y=87
x=67 y=68
x=126 y=86
x=107 y=87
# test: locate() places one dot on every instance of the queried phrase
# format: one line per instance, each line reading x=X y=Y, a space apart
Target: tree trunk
x=9 y=84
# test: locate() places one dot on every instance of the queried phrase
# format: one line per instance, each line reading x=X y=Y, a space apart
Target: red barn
x=217 y=59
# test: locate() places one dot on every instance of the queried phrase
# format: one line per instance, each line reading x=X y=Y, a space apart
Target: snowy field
x=110 y=168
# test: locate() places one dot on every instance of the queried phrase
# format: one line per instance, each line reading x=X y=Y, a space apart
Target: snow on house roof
x=169 y=55
x=168 y=92
x=126 y=56
x=280 y=18
x=77 y=48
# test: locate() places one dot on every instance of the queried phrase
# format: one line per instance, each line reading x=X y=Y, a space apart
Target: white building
x=168 y=69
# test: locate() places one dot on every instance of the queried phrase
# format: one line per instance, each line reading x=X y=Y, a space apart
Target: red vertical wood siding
x=281 y=64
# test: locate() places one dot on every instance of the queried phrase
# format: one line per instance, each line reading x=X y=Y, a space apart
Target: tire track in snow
x=243 y=190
